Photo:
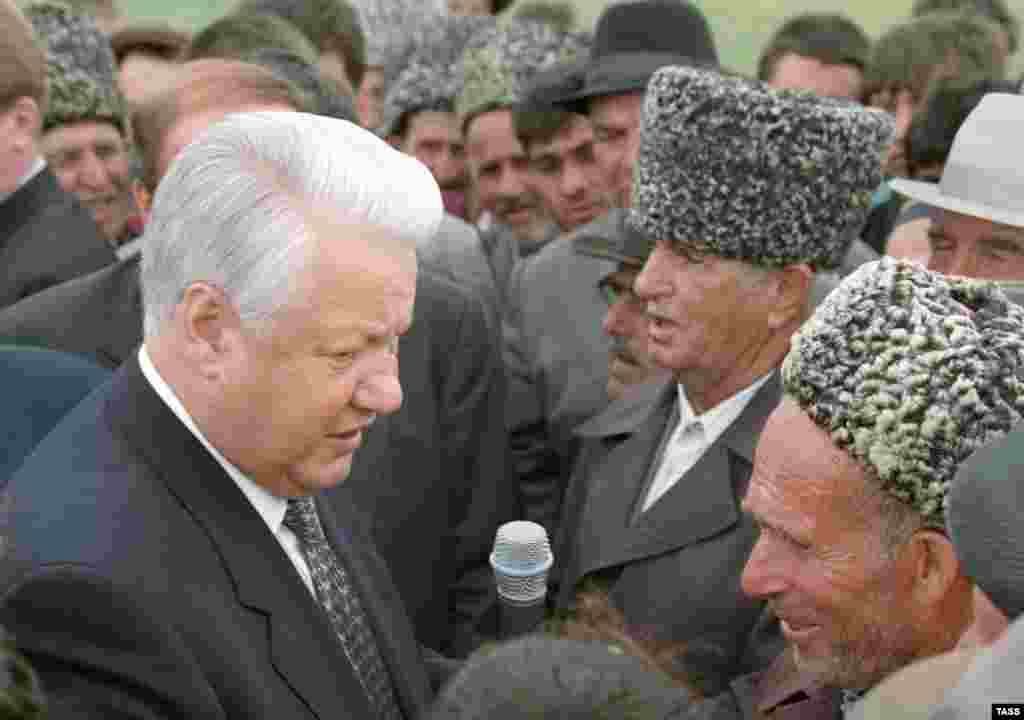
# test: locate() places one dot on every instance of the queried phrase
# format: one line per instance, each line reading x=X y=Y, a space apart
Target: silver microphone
x=521 y=560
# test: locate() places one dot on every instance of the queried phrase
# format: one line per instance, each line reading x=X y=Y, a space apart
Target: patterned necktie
x=340 y=600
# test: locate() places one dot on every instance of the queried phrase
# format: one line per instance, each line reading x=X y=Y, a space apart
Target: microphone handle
x=518 y=619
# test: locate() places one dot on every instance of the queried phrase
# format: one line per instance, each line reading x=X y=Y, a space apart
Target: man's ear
x=210 y=327
x=28 y=122
x=792 y=290
x=935 y=566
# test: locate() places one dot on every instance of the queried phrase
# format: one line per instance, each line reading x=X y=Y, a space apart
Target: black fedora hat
x=633 y=39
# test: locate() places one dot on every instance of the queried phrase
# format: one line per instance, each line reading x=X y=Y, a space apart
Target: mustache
x=505 y=206
x=621 y=349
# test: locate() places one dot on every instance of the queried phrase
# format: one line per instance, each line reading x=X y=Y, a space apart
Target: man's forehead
x=947 y=220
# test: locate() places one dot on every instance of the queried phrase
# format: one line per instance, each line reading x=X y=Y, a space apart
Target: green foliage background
x=741 y=27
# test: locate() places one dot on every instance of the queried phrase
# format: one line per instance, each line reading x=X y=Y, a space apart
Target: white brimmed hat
x=983 y=176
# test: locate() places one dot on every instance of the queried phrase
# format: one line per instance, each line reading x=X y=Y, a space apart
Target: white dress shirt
x=693 y=435
x=34 y=169
x=270 y=507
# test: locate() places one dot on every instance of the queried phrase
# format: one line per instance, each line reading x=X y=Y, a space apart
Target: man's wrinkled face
x=616 y=123
x=326 y=365
x=626 y=323
x=565 y=174
x=847 y=605
x=972 y=247
x=434 y=139
x=370 y=100
x=500 y=171
x=90 y=159
x=702 y=316
x=793 y=71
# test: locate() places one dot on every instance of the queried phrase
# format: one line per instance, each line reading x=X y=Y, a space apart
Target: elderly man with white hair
x=170 y=555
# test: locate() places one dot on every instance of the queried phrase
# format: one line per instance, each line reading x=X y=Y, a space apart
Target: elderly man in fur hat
x=39 y=221
x=747 y=193
x=898 y=377
x=85 y=128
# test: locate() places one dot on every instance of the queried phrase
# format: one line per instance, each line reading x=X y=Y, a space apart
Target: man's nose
x=380 y=392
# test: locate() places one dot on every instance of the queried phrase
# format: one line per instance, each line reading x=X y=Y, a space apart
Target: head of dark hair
x=331 y=25
x=996 y=10
x=949 y=102
x=236 y=36
x=541 y=677
x=539 y=124
x=916 y=54
x=206 y=86
x=831 y=38
x=326 y=97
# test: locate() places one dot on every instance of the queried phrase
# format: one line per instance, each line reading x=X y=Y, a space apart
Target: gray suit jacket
x=556 y=354
x=674 y=570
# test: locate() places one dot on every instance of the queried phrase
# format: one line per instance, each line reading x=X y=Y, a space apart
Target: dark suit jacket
x=434 y=477
x=142 y=583
x=98 y=315
x=46 y=237
x=556 y=353
x=780 y=692
x=674 y=570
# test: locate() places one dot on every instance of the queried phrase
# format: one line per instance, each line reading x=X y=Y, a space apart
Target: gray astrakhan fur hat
x=431 y=78
x=732 y=168
x=910 y=372
x=497 y=70
x=81 y=70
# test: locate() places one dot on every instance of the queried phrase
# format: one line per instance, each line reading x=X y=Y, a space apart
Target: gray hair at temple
x=236 y=208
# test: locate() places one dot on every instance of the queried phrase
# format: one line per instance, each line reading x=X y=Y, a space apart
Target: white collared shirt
x=693 y=435
x=34 y=169
x=270 y=507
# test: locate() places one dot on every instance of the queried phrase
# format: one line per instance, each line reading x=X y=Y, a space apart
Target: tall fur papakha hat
x=730 y=167
x=388 y=25
x=910 y=372
x=80 y=70
x=498 y=67
x=432 y=77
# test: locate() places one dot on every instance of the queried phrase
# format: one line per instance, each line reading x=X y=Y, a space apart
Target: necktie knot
x=301 y=518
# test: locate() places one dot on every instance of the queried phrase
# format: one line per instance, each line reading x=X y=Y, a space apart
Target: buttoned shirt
x=269 y=506
x=34 y=169
x=693 y=435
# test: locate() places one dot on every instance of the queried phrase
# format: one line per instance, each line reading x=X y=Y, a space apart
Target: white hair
x=235 y=208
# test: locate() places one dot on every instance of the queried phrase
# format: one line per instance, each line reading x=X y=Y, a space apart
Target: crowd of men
x=298 y=310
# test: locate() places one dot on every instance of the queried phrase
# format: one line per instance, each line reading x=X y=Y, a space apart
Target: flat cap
x=986 y=504
x=730 y=167
x=910 y=372
x=613 y=239
x=80 y=70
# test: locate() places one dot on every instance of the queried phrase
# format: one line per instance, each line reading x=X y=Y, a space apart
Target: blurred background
x=741 y=27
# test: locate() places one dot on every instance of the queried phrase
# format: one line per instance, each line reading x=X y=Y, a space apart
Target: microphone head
x=521 y=560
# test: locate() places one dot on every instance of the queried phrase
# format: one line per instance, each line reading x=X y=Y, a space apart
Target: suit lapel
x=303 y=647
x=610 y=487
x=701 y=504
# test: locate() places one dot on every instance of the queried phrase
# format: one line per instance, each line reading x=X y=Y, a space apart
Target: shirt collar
x=34 y=169
x=270 y=507
x=718 y=419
